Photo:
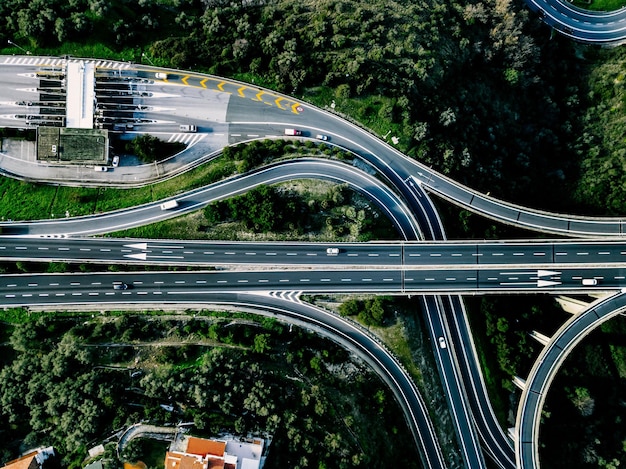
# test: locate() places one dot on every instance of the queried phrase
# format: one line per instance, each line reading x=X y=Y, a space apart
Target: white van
x=188 y=128
x=170 y=204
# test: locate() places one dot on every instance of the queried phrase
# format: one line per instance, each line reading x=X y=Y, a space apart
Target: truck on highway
x=170 y=204
x=293 y=132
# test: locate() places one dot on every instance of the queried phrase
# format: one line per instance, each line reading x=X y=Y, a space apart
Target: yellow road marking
x=258 y=96
x=294 y=108
x=277 y=101
x=184 y=80
x=240 y=91
x=220 y=86
x=203 y=82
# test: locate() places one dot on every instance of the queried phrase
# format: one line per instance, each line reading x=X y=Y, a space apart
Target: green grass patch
x=27 y=201
x=377 y=113
x=600 y=5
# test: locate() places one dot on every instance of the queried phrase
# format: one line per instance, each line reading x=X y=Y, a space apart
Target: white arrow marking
x=142 y=256
x=546 y=283
x=546 y=273
x=142 y=246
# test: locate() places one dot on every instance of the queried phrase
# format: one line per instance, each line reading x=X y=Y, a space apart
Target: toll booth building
x=78 y=142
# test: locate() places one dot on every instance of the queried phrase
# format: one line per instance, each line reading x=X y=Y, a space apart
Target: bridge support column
x=512 y=433
x=519 y=382
x=539 y=337
x=572 y=305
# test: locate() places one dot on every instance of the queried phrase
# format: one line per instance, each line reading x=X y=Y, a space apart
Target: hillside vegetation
x=480 y=90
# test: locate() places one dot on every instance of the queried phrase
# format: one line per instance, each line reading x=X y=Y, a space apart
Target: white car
x=100 y=168
x=322 y=137
x=160 y=75
x=332 y=251
x=442 y=342
x=116 y=161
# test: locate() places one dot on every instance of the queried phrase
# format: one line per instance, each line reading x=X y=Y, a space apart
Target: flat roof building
x=72 y=146
x=81 y=95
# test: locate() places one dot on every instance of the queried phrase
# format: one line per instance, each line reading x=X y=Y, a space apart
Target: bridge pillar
x=512 y=433
x=572 y=305
x=519 y=382
x=539 y=337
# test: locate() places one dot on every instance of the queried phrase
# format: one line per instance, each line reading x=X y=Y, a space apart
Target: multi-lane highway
x=170 y=286
x=245 y=112
x=397 y=254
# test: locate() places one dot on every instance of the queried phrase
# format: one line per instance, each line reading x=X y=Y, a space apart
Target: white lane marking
x=96 y=283
x=582 y=253
x=292 y=253
x=497 y=254
x=43 y=249
x=208 y=252
x=77 y=294
x=142 y=292
x=325 y=280
x=250 y=253
x=85 y=249
x=450 y=279
x=74 y=284
x=414 y=255
x=373 y=255
x=33 y=284
x=157 y=292
x=12 y=285
x=387 y=280
x=179 y=281
x=456 y=254
x=222 y=281
x=346 y=280
x=311 y=254
x=604 y=253
x=44 y=294
x=270 y=254
x=9 y=296
x=367 y=279
x=434 y=254
x=59 y=294
x=561 y=254
x=64 y=249
x=94 y=293
x=27 y=295
x=105 y=250
x=159 y=282
x=242 y=281
x=429 y=279
x=471 y=278
x=263 y=280
x=54 y=284
x=284 y=280
x=200 y=281
x=353 y=255
x=539 y=254
x=305 y=279
x=518 y=253
x=394 y=255
x=21 y=247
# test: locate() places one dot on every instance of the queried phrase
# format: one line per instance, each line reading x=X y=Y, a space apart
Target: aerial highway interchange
x=244 y=112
